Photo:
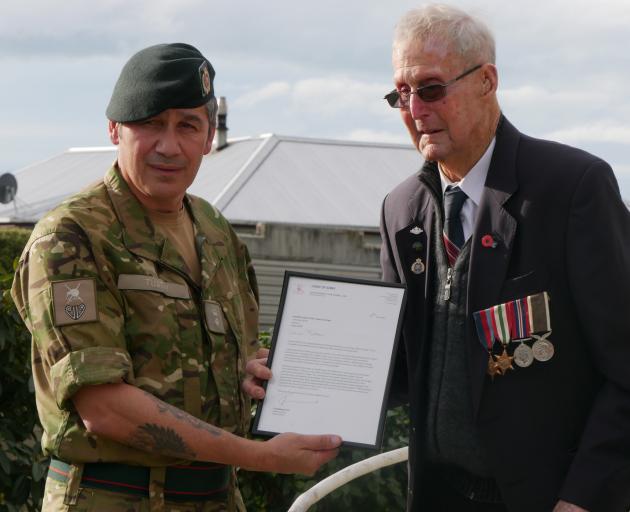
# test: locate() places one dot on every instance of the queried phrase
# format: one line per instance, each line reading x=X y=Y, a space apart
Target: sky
x=314 y=69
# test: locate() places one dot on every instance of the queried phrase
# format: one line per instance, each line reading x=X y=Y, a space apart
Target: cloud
x=328 y=95
x=267 y=92
x=600 y=131
x=37 y=28
x=533 y=94
x=336 y=94
x=622 y=171
x=313 y=69
x=365 y=135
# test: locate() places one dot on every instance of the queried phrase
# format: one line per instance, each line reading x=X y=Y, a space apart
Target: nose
x=168 y=143
x=418 y=108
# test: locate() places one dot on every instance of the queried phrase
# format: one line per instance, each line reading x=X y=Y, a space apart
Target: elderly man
x=516 y=255
x=142 y=303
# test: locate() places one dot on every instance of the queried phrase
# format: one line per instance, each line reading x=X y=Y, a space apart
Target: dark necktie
x=454 y=198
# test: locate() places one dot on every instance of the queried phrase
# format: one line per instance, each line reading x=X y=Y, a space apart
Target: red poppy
x=488 y=241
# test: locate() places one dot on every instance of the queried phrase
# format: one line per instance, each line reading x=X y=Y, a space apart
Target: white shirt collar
x=472 y=184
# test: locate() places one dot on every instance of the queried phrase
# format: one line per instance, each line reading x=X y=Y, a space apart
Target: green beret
x=158 y=78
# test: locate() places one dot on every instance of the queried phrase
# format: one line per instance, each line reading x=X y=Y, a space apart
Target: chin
x=430 y=152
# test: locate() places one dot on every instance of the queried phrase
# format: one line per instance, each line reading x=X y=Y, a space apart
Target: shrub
x=22 y=465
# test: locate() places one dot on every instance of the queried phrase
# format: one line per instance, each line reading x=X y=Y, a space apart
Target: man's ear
x=490 y=78
x=112 y=131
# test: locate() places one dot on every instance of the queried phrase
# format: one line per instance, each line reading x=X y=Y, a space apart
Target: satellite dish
x=8 y=188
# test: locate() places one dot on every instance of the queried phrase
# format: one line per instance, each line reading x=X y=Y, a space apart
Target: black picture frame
x=378 y=441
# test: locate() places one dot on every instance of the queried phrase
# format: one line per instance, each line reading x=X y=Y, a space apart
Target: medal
x=501 y=320
x=417 y=267
x=485 y=330
x=519 y=319
x=504 y=361
x=493 y=367
x=542 y=348
x=523 y=355
x=540 y=322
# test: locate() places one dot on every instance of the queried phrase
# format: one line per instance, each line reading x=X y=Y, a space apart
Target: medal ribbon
x=510 y=310
x=518 y=319
x=501 y=322
x=521 y=322
x=484 y=329
x=539 y=313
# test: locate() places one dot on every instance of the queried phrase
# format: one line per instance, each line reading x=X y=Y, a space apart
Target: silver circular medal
x=523 y=355
x=543 y=350
x=417 y=267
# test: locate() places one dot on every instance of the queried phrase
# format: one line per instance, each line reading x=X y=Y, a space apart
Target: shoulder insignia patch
x=74 y=301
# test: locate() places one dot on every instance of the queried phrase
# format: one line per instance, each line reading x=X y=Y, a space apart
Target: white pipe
x=318 y=491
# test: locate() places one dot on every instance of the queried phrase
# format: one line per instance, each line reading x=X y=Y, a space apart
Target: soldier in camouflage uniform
x=142 y=304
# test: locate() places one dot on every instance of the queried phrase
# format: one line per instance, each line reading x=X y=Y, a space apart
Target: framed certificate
x=332 y=354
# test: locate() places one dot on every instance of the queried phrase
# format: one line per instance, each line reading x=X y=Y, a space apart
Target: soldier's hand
x=296 y=453
x=257 y=372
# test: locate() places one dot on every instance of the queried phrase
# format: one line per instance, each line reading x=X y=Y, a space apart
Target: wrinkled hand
x=257 y=373
x=296 y=453
x=563 y=506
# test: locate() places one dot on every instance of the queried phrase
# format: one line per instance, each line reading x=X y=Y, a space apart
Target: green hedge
x=23 y=467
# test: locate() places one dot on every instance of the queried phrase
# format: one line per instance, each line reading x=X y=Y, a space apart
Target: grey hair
x=212 y=107
x=468 y=36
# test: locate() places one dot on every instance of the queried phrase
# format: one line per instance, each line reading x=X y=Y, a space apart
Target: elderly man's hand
x=563 y=506
x=257 y=373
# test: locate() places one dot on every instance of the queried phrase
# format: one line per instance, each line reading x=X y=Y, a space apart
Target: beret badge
x=204 y=77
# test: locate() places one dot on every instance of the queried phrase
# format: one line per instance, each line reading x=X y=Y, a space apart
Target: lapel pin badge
x=417 y=267
x=488 y=242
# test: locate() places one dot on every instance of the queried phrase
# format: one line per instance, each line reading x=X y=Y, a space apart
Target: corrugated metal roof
x=320 y=182
x=43 y=185
x=269 y=178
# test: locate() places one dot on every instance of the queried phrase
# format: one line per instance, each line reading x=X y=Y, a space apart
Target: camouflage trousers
x=97 y=500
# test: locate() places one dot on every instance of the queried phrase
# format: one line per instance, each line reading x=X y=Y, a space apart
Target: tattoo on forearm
x=163 y=407
x=155 y=438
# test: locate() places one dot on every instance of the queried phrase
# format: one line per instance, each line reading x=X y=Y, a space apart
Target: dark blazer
x=558 y=429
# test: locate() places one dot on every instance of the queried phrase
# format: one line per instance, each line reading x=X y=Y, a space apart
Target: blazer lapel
x=491 y=246
x=414 y=240
x=416 y=265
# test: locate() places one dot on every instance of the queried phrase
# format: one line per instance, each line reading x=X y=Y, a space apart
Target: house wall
x=276 y=248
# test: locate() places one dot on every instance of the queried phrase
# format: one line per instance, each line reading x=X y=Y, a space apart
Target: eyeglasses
x=427 y=93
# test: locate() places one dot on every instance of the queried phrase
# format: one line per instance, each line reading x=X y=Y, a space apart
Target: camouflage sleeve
x=75 y=320
x=248 y=285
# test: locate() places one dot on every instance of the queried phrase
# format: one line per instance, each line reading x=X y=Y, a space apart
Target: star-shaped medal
x=493 y=367
x=504 y=361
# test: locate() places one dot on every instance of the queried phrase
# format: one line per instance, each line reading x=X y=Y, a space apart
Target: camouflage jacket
x=106 y=299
